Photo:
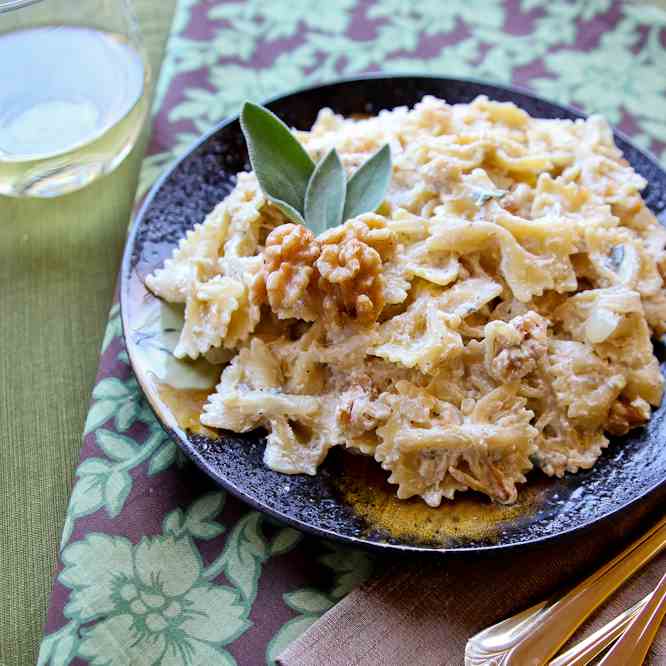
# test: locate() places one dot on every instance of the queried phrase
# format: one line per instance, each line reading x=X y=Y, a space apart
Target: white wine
x=72 y=102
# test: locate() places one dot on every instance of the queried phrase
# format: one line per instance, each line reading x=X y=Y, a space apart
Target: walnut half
x=289 y=274
x=350 y=268
x=336 y=276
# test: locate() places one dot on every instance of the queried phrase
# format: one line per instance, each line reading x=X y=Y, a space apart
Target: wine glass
x=74 y=92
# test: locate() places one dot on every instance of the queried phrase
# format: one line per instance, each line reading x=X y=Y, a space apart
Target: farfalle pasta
x=495 y=313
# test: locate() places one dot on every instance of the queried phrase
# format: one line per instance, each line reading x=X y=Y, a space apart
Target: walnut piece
x=625 y=415
x=289 y=275
x=337 y=276
x=513 y=350
x=358 y=413
x=369 y=228
x=350 y=281
x=350 y=268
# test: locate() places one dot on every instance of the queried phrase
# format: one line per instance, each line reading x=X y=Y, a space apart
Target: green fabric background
x=58 y=264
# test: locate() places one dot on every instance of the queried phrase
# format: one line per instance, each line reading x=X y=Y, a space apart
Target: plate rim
x=194 y=455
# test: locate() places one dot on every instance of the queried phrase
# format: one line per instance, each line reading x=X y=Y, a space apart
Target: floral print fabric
x=158 y=566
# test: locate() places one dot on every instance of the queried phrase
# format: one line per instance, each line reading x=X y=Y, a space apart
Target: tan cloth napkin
x=422 y=611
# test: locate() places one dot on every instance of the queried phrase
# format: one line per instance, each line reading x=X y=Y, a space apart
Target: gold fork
x=637 y=627
x=584 y=652
x=631 y=648
x=533 y=636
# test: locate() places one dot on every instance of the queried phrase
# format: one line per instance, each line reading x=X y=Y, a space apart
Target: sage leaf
x=325 y=196
x=289 y=212
x=366 y=189
x=281 y=165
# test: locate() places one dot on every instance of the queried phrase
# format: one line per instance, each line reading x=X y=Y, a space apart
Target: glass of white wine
x=73 y=92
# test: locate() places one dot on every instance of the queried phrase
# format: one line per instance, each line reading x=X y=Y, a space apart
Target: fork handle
x=586 y=650
x=631 y=648
x=532 y=637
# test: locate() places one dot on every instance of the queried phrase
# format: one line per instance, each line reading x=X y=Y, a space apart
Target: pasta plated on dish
x=492 y=315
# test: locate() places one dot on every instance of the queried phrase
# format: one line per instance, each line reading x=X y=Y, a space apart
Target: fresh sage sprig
x=318 y=196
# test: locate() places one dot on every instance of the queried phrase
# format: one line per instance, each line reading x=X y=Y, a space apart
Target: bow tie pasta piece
x=579 y=394
x=618 y=256
x=526 y=274
x=413 y=258
x=299 y=446
x=612 y=322
x=397 y=281
x=594 y=316
x=554 y=196
x=249 y=215
x=654 y=307
x=419 y=338
x=516 y=158
x=441 y=268
x=654 y=244
x=468 y=296
x=425 y=334
x=584 y=385
x=195 y=259
x=208 y=312
x=248 y=396
x=232 y=228
x=447 y=153
x=359 y=415
x=560 y=447
x=553 y=239
x=494 y=114
x=614 y=255
x=651 y=258
x=220 y=312
x=303 y=369
x=432 y=449
x=408 y=228
x=612 y=180
x=245 y=318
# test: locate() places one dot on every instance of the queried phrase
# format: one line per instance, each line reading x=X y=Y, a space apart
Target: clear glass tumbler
x=73 y=92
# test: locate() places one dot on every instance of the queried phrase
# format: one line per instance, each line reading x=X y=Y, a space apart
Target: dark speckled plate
x=350 y=500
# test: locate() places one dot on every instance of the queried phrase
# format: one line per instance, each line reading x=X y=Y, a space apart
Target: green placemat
x=58 y=265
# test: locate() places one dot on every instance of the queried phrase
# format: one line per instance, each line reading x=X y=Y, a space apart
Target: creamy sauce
x=364 y=487
x=186 y=406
